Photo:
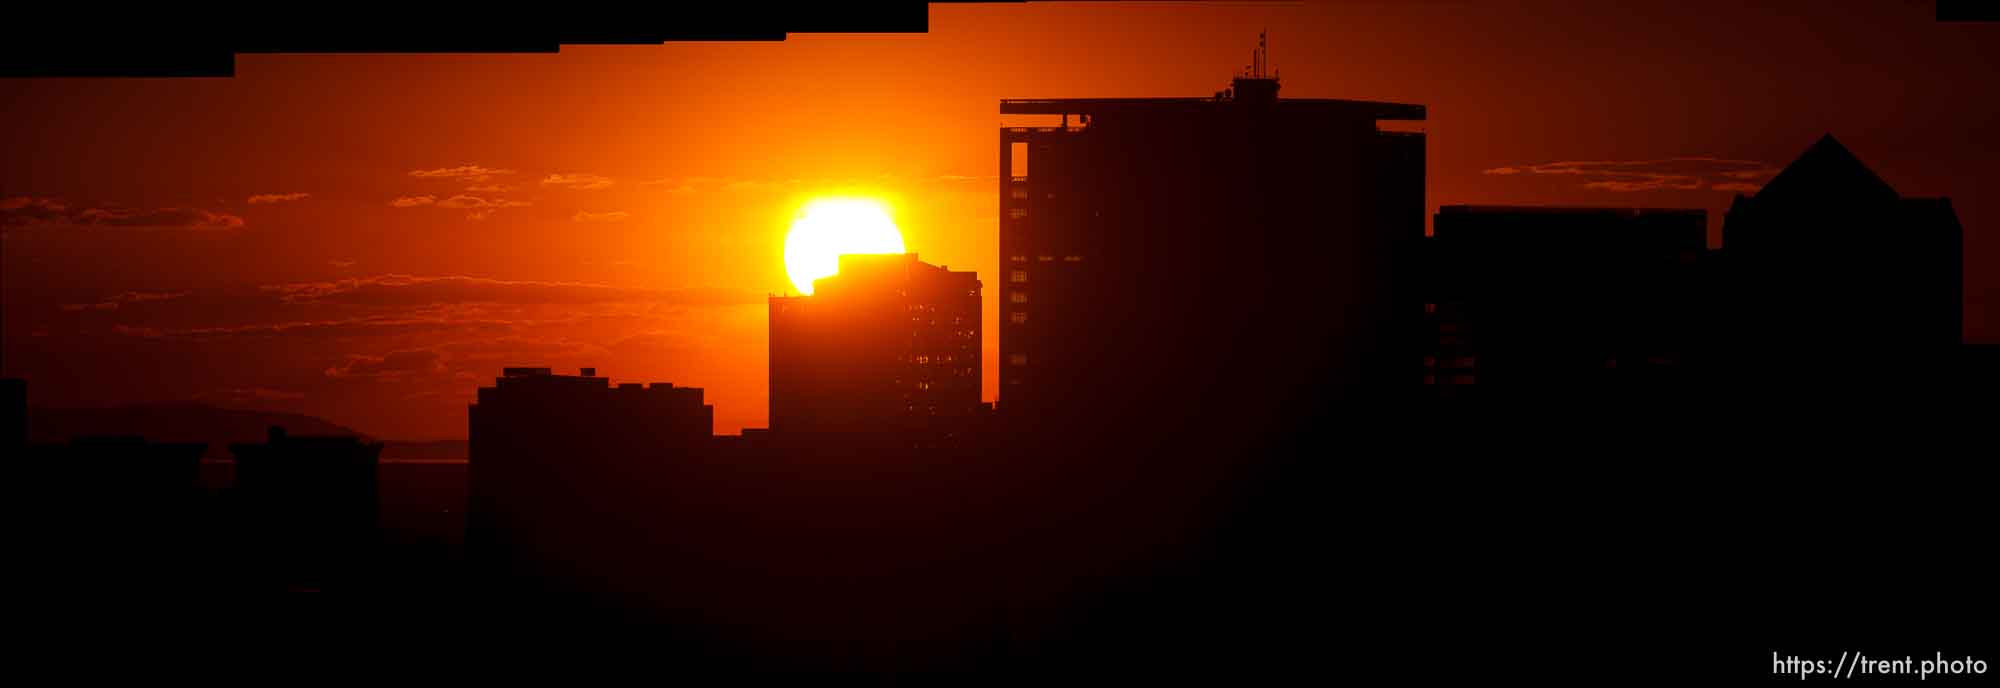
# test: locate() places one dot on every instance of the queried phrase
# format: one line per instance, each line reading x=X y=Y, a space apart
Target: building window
x=1018 y=297
x=1018 y=276
x=1017 y=359
x=1430 y=308
x=1020 y=259
x=1016 y=213
x=1430 y=361
x=1047 y=259
x=1019 y=192
x=1073 y=259
x=1018 y=317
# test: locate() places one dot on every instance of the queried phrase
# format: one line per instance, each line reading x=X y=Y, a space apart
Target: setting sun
x=830 y=228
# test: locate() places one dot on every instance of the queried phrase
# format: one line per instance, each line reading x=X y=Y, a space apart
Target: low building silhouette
x=890 y=344
x=108 y=512
x=13 y=413
x=564 y=470
x=310 y=505
x=1562 y=302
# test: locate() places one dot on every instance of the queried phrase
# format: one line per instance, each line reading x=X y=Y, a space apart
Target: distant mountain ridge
x=424 y=450
x=175 y=422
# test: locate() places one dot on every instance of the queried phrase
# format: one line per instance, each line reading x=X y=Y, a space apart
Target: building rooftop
x=1358 y=109
x=1562 y=210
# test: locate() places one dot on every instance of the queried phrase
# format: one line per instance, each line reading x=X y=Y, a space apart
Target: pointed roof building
x=1833 y=279
x=1827 y=169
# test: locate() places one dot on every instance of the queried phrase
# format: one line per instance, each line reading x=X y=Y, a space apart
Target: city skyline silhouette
x=775 y=364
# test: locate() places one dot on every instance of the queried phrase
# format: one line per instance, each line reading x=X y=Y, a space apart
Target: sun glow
x=829 y=228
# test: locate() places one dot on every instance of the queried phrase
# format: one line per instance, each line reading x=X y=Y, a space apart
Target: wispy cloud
x=475 y=202
x=470 y=174
x=25 y=211
x=1762 y=173
x=112 y=303
x=409 y=290
x=1624 y=176
x=491 y=188
x=613 y=216
x=577 y=181
x=395 y=364
x=1654 y=182
x=677 y=185
x=335 y=328
x=480 y=207
x=278 y=198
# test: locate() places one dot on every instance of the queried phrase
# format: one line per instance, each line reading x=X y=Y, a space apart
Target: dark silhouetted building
x=107 y=515
x=311 y=503
x=1838 y=285
x=561 y=468
x=1185 y=250
x=116 y=473
x=1193 y=292
x=889 y=344
x=13 y=413
x=1564 y=302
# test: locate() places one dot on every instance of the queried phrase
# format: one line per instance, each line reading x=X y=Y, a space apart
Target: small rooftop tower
x=1254 y=85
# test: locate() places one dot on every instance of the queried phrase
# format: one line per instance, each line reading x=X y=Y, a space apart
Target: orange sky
x=367 y=238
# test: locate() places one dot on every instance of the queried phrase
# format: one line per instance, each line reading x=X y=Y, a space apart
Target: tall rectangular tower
x=1150 y=244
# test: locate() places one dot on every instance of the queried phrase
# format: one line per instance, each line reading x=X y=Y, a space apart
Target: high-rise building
x=1182 y=250
x=1557 y=300
x=1837 y=282
x=889 y=344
